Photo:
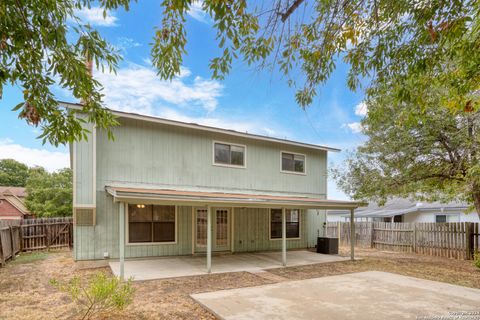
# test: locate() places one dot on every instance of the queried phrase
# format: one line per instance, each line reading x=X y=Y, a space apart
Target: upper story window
x=229 y=154
x=293 y=162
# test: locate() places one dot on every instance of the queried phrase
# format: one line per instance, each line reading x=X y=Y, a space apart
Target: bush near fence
x=457 y=240
x=33 y=235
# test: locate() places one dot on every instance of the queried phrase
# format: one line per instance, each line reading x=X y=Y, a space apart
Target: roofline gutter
x=205 y=128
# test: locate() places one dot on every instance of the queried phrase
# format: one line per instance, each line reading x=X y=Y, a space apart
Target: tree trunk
x=476 y=202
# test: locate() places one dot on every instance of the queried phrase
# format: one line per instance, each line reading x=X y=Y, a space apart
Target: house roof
x=173 y=196
x=401 y=206
x=16 y=191
x=142 y=117
x=16 y=197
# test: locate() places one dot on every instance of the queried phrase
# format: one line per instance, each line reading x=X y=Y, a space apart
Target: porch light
x=140 y=206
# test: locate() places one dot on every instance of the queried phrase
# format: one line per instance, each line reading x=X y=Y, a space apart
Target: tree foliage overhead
x=382 y=41
x=35 y=52
x=49 y=194
x=379 y=39
x=13 y=173
x=422 y=152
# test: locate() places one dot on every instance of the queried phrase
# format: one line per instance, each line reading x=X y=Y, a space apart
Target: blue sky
x=247 y=100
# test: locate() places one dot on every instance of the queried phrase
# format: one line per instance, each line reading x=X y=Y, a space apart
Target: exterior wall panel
x=159 y=155
x=148 y=153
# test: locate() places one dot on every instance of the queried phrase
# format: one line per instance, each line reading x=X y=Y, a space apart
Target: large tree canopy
x=13 y=173
x=382 y=41
x=49 y=194
x=425 y=153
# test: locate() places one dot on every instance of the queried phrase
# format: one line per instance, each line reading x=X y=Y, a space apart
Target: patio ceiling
x=172 y=196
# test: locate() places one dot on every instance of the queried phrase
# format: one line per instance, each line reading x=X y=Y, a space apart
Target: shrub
x=100 y=294
x=476 y=259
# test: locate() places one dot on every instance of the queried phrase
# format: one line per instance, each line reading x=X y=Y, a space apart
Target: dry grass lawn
x=25 y=291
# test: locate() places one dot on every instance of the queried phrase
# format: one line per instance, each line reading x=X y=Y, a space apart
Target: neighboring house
x=405 y=210
x=155 y=189
x=12 y=204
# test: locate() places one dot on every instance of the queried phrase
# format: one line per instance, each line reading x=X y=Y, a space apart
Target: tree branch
x=290 y=10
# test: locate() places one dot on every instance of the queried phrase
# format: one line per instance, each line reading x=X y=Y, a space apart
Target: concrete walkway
x=171 y=267
x=365 y=295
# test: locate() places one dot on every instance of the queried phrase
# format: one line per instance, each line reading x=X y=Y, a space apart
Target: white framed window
x=292 y=217
x=228 y=154
x=441 y=218
x=151 y=224
x=292 y=162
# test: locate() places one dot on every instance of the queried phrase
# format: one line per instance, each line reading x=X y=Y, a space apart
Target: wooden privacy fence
x=35 y=234
x=457 y=240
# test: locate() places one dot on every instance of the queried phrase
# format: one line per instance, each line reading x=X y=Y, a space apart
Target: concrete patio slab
x=171 y=267
x=365 y=295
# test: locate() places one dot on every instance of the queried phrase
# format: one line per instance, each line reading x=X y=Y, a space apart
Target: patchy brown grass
x=25 y=291
x=459 y=272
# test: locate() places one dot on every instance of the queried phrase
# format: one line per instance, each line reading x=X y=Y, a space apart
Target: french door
x=220 y=229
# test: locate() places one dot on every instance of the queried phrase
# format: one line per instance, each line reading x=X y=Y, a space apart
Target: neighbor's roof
x=142 y=117
x=221 y=198
x=401 y=206
x=16 y=191
x=16 y=197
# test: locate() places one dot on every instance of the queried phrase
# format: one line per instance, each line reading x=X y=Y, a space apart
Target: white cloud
x=361 y=109
x=356 y=127
x=218 y=122
x=94 y=16
x=124 y=43
x=137 y=88
x=50 y=160
x=197 y=13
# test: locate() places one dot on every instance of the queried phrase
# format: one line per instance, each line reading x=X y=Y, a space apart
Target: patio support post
x=122 y=239
x=352 y=235
x=209 y=239
x=284 y=238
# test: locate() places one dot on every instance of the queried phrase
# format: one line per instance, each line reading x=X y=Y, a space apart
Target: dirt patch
x=25 y=291
x=459 y=272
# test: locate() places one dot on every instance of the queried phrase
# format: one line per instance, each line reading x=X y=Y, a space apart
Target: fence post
x=2 y=257
x=47 y=235
x=12 y=243
x=414 y=240
x=468 y=240
x=338 y=232
x=372 y=227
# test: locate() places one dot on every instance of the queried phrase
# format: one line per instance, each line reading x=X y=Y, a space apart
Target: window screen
x=293 y=162
x=151 y=223
x=229 y=154
x=292 y=223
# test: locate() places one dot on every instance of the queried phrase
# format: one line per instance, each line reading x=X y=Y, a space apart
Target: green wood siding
x=150 y=153
x=92 y=242
x=162 y=155
x=84 y=169
x=252 y=231
x=315 y=226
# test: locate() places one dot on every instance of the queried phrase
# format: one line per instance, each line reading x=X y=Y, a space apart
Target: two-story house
x=165 y=187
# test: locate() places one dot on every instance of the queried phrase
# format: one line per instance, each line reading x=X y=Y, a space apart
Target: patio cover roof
x=171 y=196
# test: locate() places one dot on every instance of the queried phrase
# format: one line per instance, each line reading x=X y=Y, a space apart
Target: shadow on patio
x=171 y=267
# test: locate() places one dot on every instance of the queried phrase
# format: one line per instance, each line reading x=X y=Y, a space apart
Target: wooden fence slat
x=458 y=240
x=34 y=234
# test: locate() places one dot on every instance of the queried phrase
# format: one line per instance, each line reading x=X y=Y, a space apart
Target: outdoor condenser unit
x=327 y=245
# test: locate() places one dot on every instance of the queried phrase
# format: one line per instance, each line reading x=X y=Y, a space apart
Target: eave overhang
x=200 y=198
